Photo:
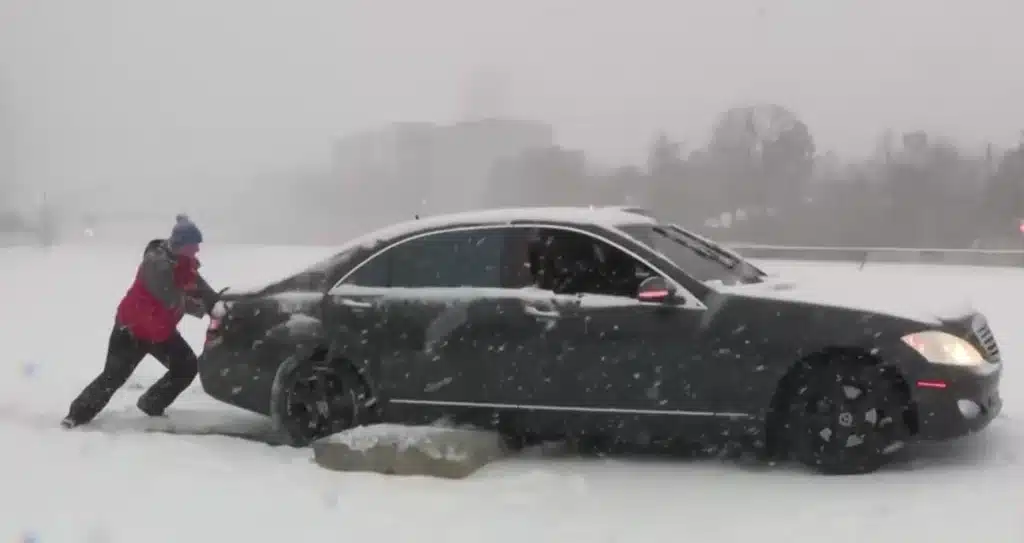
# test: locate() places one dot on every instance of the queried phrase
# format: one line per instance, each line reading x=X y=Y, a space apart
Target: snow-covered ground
x=120 y=483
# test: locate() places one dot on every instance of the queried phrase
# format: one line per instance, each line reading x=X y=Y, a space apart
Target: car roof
x=582 y=215
x=605 y=216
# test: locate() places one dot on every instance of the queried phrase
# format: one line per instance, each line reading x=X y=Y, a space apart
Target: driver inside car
x=575 y=264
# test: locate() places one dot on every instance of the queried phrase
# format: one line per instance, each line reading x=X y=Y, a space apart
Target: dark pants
x=124 y=353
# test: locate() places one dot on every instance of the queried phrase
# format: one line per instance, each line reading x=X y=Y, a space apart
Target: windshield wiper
x=749 y=271
x=725 y=253
x=699 y=248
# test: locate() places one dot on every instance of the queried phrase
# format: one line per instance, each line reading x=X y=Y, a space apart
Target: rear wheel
x=313 y=399
x=846 y=418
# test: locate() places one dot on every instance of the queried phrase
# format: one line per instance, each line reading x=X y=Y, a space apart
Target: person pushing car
x=167 y=285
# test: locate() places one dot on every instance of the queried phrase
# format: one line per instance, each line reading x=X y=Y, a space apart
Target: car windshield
x=698 y=256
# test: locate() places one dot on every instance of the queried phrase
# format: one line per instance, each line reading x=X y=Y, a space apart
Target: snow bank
x=119 y=485
x=433 y=451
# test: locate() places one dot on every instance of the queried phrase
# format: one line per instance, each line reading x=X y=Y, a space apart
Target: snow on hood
x=296 y=302
x=899 y=300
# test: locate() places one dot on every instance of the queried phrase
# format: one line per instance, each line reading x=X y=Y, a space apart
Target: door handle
x=540 y=313
x=356 y=304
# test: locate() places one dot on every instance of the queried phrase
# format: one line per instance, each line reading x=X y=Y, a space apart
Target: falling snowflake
x=29 y=369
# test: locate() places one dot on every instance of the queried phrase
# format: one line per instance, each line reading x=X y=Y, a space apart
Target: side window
x=375 y=273
x=517 y=263
x=468 y=258
x=568 y=262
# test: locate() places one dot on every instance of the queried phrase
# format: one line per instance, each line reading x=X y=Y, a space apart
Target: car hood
x=928 y=307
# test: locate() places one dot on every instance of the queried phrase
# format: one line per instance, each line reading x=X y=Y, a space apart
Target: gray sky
x=150 y=91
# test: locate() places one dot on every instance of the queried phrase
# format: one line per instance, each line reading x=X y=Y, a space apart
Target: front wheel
x=846 y=419
x=310 y=400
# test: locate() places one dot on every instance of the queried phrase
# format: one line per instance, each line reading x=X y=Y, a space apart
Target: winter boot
x=153 y=412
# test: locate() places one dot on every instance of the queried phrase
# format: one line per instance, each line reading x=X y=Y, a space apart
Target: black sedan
x=548 y=323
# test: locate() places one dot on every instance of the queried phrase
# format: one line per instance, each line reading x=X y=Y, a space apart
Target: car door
x=622 y=365
x=354 y=313
x=448 y=333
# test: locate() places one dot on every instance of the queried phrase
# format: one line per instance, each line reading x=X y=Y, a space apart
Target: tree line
x=760 y=179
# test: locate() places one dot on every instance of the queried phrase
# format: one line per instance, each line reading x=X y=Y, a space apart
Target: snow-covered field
x=118 y=482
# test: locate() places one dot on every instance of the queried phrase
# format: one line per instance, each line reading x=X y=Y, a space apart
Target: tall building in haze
x=426 y=168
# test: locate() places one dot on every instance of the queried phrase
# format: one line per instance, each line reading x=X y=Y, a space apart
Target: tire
x=313 y=399
x=846 y=418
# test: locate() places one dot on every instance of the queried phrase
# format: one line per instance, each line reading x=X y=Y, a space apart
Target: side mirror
x=655 y=289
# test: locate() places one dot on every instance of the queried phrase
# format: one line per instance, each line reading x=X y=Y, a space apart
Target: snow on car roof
x=609 y=216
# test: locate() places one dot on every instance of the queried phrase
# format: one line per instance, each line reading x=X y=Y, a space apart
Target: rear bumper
x=952 y=402
x=229 y=377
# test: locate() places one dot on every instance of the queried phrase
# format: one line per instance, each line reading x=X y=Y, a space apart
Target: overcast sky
x=151 y=91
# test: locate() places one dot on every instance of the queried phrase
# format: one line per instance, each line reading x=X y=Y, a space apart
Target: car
x=599 y=323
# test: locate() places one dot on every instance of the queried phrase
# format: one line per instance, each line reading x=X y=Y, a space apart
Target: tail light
x=213 y=330
x=217 y=316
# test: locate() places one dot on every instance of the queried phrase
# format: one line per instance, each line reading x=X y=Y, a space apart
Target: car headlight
x=942 y=348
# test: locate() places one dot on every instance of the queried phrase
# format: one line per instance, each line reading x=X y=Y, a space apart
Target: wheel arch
x=312 y=344
x=309 y=342
x=313 y=352
x=791 y=379
x=349 y=347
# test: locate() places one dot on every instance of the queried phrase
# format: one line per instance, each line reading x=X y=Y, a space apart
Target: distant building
x=428 y=168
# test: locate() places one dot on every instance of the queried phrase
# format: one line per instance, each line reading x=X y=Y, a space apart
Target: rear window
x=458 y=258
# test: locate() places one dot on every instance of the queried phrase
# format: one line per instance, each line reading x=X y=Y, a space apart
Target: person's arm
x=195 y=307
x=205 y=292
x=201 y=300
x=157 y=273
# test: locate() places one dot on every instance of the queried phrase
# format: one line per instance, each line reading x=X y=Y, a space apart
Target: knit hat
x=184 y=232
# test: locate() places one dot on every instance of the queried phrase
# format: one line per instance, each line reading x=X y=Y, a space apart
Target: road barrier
x=905 y=255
